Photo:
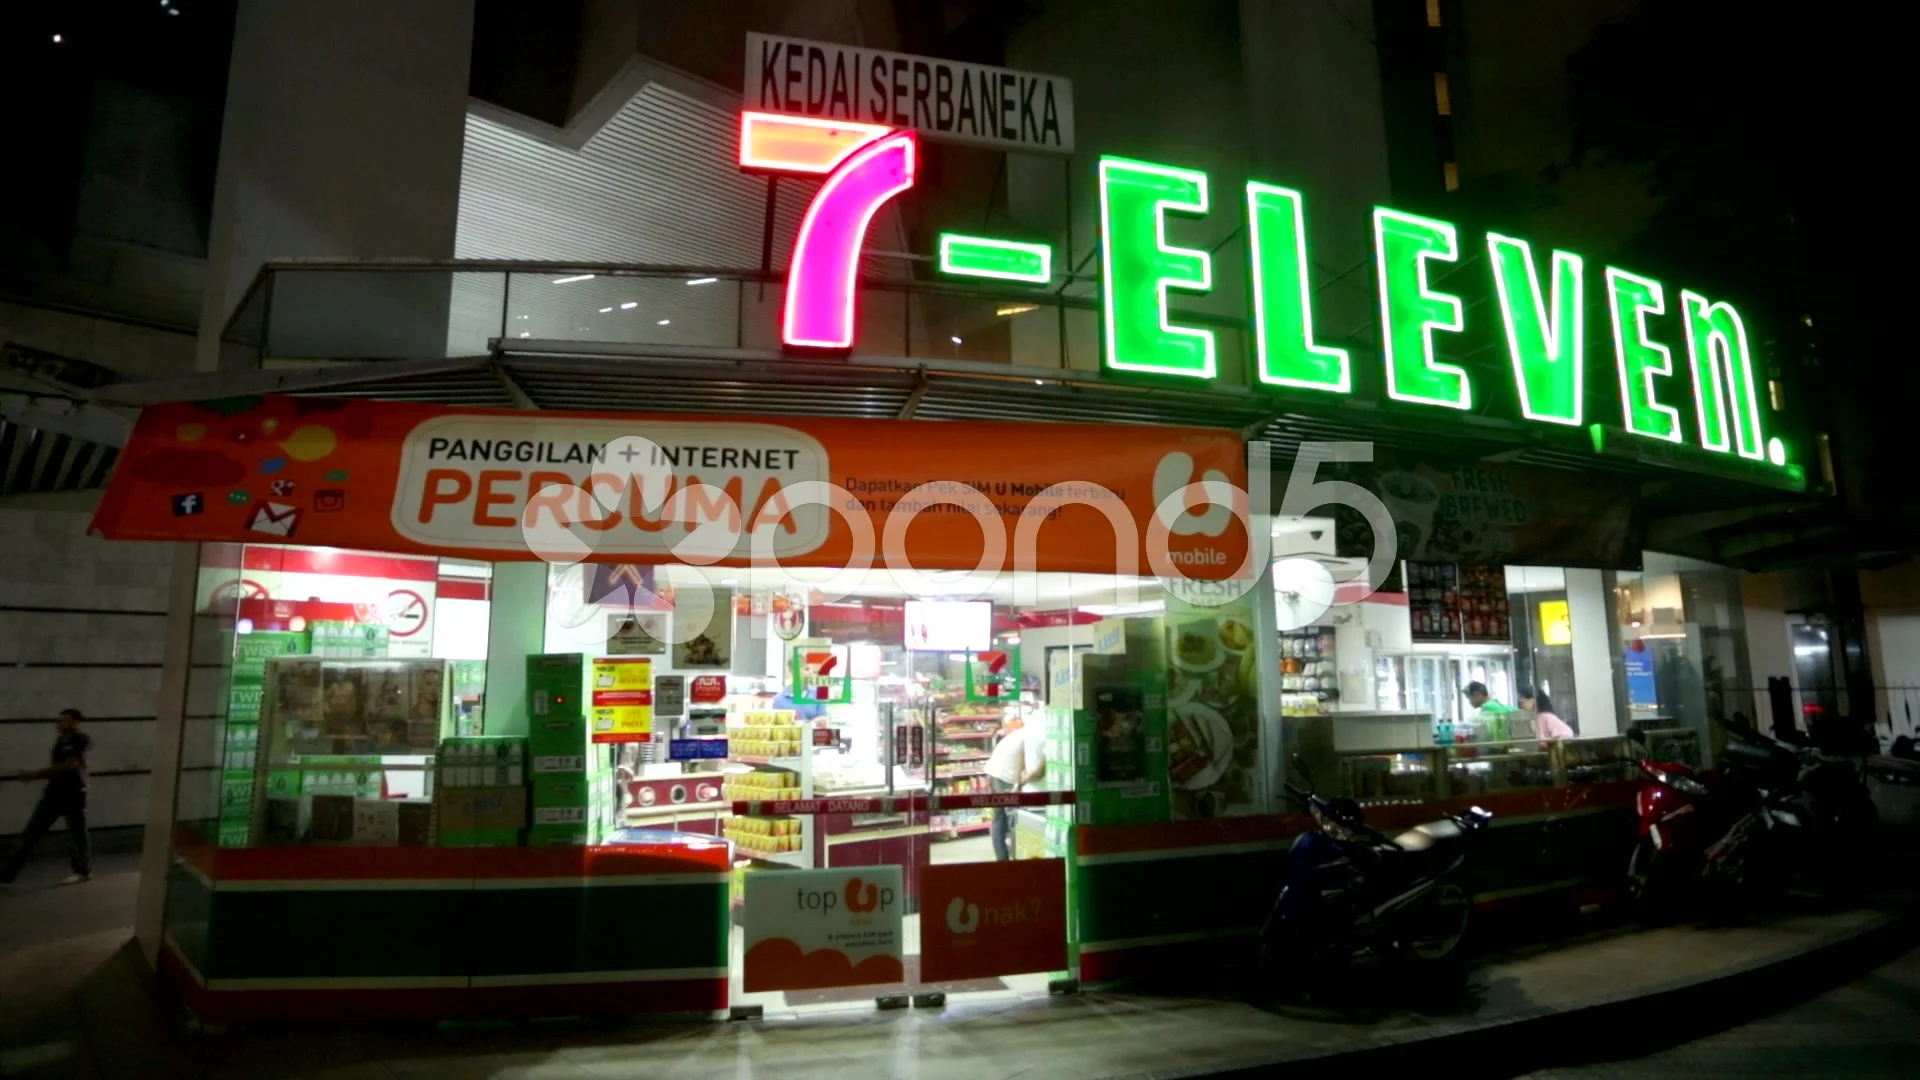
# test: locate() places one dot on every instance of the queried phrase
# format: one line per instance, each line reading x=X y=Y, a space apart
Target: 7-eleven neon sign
x=1543 y=317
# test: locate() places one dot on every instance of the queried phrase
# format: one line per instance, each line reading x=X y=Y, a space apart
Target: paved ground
x=1868 y=1028
x=74 y=1003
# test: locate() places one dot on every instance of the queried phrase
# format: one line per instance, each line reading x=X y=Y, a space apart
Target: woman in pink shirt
x=1546 y=723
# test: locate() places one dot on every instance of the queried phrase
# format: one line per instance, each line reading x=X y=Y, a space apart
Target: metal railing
x=332 y=310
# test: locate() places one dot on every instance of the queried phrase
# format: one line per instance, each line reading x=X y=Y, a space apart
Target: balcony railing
x=397 y=310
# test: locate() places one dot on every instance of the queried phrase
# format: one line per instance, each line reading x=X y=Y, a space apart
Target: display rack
x=331 y=730
x=1309 y=677
x=963 y=740
x=772 y=759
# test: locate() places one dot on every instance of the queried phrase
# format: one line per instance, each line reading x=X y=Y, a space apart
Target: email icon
x=276 y=518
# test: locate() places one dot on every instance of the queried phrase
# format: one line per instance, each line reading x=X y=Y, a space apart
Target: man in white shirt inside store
x=1019 y=758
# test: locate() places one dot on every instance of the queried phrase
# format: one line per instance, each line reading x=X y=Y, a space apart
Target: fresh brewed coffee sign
x=940 y=99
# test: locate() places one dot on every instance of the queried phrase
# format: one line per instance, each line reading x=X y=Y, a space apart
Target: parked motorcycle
x=1350 y=890
x=1772 y=810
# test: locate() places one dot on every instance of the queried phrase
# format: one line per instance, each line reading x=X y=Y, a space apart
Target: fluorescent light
x=526 y=333
x=956 y=339
x=571 y=280
x=1039 y=382
x=702 y=280
x=629 y=305
x=664 y=322
x=1107 y=611
x=604 y=310
x=1015 y=309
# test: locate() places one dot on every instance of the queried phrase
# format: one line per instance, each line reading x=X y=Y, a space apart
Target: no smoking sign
x=405 y=613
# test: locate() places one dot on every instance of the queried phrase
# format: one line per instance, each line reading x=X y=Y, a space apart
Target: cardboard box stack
x=480 y=793
x=573 y=793
x=250 y=653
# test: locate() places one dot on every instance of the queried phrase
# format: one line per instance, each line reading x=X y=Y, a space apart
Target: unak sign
x=1691 y=383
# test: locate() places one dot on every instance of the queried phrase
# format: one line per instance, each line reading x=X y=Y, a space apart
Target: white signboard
x=809 y=929
x=478 y=481
x=941 y=99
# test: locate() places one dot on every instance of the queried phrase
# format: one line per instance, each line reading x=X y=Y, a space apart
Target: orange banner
x=388 y=476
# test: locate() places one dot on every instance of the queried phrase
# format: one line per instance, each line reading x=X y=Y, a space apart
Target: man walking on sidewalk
x=65 y=796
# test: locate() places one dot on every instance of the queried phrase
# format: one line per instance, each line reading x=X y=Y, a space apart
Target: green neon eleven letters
x=1542 y=309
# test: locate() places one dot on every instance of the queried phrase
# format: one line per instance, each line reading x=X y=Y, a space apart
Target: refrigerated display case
x=1431 y=683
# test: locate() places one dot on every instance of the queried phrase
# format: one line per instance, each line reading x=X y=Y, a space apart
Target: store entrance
x=895 y=777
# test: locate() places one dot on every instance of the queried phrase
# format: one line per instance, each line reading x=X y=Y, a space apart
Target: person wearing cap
x=1019 y=758
x=1494 y=717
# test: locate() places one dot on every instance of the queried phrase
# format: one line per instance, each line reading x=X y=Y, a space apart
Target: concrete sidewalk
x=74 y=1002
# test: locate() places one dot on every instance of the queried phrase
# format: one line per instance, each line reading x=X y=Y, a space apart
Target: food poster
x=811 y=929
x=1120 y=729
x=622 y=702
x=637 y=633
x=1213 y=704
x=712 y=647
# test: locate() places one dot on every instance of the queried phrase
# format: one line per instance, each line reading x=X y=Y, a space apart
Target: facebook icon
x=188 y=505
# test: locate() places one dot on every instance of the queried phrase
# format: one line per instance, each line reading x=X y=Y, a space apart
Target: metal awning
x=563 y=375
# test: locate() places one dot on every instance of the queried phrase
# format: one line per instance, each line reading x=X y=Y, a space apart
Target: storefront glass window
x=1543 y=641
x=1683 y=645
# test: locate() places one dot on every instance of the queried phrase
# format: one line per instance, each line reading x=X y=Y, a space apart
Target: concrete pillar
x=516 y=629
x=156 y=854
x=1589 y=615
x=344 y=129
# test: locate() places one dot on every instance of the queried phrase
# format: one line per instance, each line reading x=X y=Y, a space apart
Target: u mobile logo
x=962 y=917
x=862 y=900
x=965 y=918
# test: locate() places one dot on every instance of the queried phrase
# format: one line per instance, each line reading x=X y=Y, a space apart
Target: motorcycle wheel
x=1437 y=932
x=1651 y=884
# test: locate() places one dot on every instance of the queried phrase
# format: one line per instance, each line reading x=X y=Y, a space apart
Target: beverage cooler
x=1431 y=682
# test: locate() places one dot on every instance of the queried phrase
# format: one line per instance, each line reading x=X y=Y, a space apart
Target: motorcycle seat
x=1425 y=837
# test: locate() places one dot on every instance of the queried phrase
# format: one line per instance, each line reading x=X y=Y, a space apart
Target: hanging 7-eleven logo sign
x=865 y=165
x=1543 y=317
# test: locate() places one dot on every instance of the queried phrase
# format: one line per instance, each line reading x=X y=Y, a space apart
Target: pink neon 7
x=826 y=257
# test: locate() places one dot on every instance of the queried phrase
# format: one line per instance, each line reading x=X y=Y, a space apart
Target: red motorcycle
x=1736 y=828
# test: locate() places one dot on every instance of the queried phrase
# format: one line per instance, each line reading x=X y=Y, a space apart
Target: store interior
x=363 y=688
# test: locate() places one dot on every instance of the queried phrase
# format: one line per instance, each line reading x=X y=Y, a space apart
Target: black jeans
x=1002 y=823
x=53 y=806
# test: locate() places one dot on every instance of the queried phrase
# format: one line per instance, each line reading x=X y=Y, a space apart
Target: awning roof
x=1720 y=517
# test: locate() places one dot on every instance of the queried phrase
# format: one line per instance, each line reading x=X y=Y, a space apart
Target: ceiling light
x=1039 y=382
x=571 y=280
x=1107 y=611
x=629 y=305
x=524 y=333
x=604 y=310
x=956 y=340
x=729 y=581
x=58 y=38
x=664 y=322
x=1015 y=309
x=519 y=316
x=702 y=280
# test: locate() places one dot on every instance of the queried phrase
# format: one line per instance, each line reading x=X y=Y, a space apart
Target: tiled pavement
x=73 y=1004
